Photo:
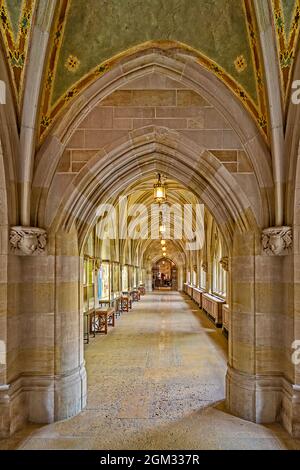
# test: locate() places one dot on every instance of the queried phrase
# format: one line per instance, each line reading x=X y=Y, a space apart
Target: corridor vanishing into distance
x=156 y=381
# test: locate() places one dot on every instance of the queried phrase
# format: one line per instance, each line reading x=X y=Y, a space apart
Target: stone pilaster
x=70 y=374
x=45 y=379
x=254 y=378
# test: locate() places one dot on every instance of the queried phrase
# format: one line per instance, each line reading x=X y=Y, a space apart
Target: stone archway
x=169 y=273
x=173 y=66
x=77 y=215
x=11 y=416
x=291 y=407
x=69 y=217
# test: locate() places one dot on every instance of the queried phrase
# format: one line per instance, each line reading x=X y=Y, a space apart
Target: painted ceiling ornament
x=72 y=63
x=28 y=240
x=277 y=241
x=224 y=262
x=240 y=64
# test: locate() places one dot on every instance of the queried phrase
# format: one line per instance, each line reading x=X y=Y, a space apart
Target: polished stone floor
x=156 y=381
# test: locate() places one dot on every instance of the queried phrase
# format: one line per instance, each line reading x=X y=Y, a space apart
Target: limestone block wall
x=155 y=100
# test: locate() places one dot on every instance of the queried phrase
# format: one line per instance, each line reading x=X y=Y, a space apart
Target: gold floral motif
x=72 y=63
x=215 y=68
x=70 y=94
x=279 y=21
x=241 y=93
x=49 y=80
x=4 y=18
x=16 y=59
x=240 y=63
x=259 y=79
x=102 y=69
x=286 y=59
x=296 y=19
x=46 y=121
x=262 y=121
x=25 y=22
x=252 y=34
x=58 y=33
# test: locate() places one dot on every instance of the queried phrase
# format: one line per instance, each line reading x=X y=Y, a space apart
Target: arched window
x=202 y=278
x=194 y=280
x=219 y=275
x=124 y=278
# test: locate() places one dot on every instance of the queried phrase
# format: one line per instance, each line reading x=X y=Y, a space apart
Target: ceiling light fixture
x=159 y=190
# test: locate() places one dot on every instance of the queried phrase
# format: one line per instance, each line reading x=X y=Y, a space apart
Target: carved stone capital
x=204 y=266
x=277 y=241
x=224 y=262
x=27 y=241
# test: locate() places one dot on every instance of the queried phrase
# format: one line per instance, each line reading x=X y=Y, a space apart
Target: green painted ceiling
x=288 y=7
x=14 y=8
x=96 y=30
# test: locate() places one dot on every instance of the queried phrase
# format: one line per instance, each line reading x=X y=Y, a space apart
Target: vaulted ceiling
x=88 y=37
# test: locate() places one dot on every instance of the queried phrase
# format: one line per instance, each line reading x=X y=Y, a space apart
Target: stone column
x=148 y=280
x=5 y=405
x=256 y=339
x=290 y=412
x=69 y=369
x=45 y=378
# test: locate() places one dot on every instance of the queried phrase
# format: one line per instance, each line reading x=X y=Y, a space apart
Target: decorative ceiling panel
x=15 y=23
x=287 y=26
x=91 y=35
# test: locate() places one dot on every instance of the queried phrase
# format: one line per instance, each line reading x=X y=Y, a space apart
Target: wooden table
x=126 y=303
x=103 y=318
x=135 y=295
x=105 y=302
x=142 y=290
x=117 y=305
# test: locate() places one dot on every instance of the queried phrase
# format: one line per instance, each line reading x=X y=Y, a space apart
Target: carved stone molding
x=224 y=262
x=27 y=241
x=204 y=266
x=277 y=241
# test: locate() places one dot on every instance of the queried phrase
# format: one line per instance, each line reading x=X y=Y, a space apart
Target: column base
x=13 y=409
x=70 y=394
x=41 y=400
x=290 y=412
x=254 y=398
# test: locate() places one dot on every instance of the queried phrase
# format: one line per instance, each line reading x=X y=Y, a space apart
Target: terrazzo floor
x=156 y=381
